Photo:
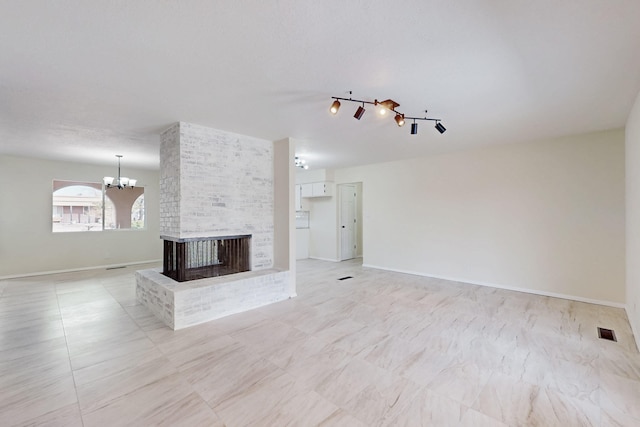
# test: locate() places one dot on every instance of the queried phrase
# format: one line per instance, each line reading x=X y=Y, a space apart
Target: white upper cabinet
x=317 y=189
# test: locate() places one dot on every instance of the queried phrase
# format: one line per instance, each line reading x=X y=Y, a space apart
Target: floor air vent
x=346 y=277
x=607 y=334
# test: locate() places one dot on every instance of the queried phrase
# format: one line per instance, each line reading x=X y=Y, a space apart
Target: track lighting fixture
x=335 y=107
x=383 y=107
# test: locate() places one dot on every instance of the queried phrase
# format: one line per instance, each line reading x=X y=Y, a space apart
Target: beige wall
x=284 y=209
x=27 y=244
x=632 y=146
x=546 y=216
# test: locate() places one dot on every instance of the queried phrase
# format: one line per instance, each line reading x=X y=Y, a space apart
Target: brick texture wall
x=170 y=181
x=215 y=184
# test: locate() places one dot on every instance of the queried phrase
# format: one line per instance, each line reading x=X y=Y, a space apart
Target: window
x=137 y=213
x=109 y=214
x=77 y=207
x=86 y=206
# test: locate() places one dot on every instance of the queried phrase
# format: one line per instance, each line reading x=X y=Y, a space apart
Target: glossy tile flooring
x=378 y=349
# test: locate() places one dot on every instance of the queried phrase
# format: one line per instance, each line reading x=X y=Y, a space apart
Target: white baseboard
x=635 y=324
x=508 y=288
x=324 y=259
x=72 y=270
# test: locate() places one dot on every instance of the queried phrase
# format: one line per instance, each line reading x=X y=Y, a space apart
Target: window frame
x=122 y=205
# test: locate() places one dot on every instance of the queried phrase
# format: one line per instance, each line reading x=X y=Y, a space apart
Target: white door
x=347 y=221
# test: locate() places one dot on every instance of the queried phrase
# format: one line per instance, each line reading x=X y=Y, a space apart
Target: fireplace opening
x=199 y=258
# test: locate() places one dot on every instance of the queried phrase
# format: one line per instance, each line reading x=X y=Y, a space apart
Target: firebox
x=199 y=258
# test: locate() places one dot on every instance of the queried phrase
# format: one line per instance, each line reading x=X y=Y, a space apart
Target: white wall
x=305 y=176
x=27 y=244
x=632 y=156
x=546 y=216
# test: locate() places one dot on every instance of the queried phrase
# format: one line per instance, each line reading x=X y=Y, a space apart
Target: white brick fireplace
x=215 y=184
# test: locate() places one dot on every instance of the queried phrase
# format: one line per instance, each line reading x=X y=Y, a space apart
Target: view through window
x=84 y=206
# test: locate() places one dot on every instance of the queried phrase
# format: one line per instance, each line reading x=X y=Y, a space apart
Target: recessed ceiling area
x=83 y=81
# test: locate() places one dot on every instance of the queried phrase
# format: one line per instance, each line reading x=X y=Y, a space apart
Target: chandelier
x=120 y=182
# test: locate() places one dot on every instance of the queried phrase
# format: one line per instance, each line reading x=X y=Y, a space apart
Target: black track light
x=414 y=128
x=335 y=107
x=440 y=128
x=399 y=118
x=359 y=112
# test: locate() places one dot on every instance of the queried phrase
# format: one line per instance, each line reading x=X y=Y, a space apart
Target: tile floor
x=378 y=349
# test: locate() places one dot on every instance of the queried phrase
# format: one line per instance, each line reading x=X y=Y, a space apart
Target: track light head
x=440 y=128
x=335 y=107
x=388 y=104
x=399 y=118
x=359 y=112
x=414 y=128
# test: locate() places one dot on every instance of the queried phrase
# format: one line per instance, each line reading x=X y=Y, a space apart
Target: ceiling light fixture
x=335 y=107
x=383 y=107
x=386 y=105
x=301 y=163
x=121 y=182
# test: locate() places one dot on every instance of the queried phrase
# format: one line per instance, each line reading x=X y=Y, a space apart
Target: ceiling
x=85 y=80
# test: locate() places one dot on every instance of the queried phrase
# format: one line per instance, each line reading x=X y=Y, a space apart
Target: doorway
x=349 y=220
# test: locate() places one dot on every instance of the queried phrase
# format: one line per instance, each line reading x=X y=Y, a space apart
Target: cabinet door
x=319 y=189
x=298 y=197
x=307 y=190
